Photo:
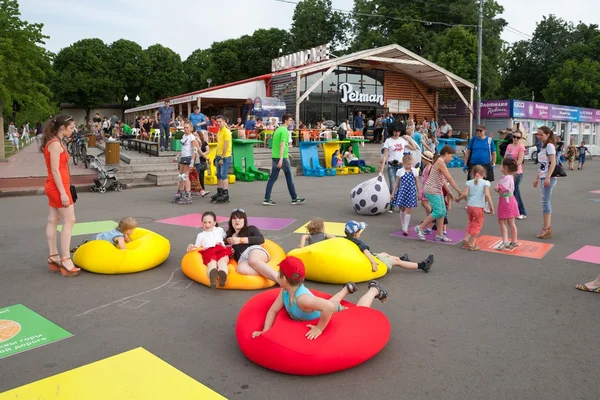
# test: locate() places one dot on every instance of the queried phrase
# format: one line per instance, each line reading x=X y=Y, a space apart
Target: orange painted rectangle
x=527 y=249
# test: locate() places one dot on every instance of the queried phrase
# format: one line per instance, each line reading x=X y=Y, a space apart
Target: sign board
x=305 y=57
x=184 y=99
x=22 y=329
x=398 y=106
x=352 y=96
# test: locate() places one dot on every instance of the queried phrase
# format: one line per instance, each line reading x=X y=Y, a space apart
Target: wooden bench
x=138 y=144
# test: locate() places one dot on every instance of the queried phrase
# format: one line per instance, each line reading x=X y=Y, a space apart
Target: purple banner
x=495 y=109
x=453 y=109
x=564 y=113
x=530 y=109
x=589 y=115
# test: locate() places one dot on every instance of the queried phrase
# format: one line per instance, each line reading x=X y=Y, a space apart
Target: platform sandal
x=69 y=273
x=382 y=295
x=54 y=266
x=351 y=286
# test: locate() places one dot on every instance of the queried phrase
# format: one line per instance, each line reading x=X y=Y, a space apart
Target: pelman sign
x=316 y=54
x=352 y=96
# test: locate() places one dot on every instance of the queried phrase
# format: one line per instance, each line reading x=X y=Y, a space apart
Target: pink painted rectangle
x=270 y=224
x=190 y=220
x=595 y=191
x=589 y=254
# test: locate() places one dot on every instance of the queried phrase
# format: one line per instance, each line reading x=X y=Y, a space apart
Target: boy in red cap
x=302 y=305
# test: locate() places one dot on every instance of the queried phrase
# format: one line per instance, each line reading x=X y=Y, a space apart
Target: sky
x=187 y=25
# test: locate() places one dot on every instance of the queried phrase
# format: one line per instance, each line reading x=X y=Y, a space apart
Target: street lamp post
x=209 y=81
x=128 y=104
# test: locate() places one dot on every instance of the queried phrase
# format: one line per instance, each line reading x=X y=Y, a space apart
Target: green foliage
x=25 y=68
x=576 y=83
x=166 y=76
x=314 y=23
x=130 y=66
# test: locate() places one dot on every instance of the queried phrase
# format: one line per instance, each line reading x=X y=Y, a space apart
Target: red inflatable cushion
x=352 y=337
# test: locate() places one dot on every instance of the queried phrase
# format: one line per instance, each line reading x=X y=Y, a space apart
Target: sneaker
x=427 y=231
x=298 y=200
x=428 y=263
x=521 y=217
x=405 y=257
x=420 y=232
x=486 y=209
x=269 y=202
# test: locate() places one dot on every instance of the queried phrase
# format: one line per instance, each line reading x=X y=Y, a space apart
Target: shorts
x=244 y=256
x=581 y=159
x=388 y=261
x=215 y=253
x=476 y=217
x=222 y=170
x=438 y=208
x=185 y=160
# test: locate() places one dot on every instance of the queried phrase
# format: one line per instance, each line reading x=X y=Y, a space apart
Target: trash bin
x=112 y=153
x=91 y=141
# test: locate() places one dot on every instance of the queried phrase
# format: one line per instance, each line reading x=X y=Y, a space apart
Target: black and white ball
x=371 y=197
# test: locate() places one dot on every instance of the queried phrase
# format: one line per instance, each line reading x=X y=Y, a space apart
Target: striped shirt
x=435 y=182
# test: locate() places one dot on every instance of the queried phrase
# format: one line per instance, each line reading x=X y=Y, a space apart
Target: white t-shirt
x=345 y=127
x=396 y=148
x=445 y=128
x=543 y=162
x=211 y=239
x=186 y=145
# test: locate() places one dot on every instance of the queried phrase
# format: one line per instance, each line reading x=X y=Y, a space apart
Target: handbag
x=559 y=171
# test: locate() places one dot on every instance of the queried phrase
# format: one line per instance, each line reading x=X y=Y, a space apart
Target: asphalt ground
x=478 y=326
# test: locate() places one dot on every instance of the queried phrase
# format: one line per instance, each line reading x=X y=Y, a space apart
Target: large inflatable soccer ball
x=371 y=197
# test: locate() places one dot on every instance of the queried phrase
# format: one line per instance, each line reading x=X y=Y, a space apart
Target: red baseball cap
x=292 y=268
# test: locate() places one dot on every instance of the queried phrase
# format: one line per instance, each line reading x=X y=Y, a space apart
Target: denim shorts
x=222 y=170
x=246 y=254
x=185 y=160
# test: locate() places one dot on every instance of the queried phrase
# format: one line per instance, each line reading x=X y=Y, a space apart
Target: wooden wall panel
x=398 y=86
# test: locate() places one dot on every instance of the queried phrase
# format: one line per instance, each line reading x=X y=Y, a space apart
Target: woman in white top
x=546 y=165
x=393 y=150
x=188 y=146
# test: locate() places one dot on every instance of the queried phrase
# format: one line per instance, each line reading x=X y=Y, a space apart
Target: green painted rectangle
x=22 y=329
x=89 y=228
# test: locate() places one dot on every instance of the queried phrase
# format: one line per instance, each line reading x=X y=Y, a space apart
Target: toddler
x=477 y=195
x=508 y=208
x=118 y=236
x=404 y=193
x=302 y=305
x=316 y=233
x=353 y=231
x=215 y=255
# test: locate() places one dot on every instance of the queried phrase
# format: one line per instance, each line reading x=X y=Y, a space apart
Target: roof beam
x=393 y=60
x=433 y=107
x=469 y=106
x=314 y=85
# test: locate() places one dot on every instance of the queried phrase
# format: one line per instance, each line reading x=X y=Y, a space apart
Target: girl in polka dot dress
x=406 y=189
x=508 y=208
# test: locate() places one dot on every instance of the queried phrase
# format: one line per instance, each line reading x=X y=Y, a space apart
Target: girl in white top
x=393 y=151
x=188 y=144
x=215 y=255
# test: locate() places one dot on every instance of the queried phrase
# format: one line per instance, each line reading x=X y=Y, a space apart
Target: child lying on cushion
x=302 y=305
x=353 y=230
x=118 y=236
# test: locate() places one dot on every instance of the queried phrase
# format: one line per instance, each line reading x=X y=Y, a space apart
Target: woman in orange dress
x=58 y=191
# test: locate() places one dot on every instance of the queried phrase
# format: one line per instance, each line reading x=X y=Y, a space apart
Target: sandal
x=584 y=288
x=503 y=246
x=68 y=272
x=53 y=265
x=474 y=248
x=212 y=277
x=351 y=286
x=222 y=278
x=382 y=295
x=546 y=233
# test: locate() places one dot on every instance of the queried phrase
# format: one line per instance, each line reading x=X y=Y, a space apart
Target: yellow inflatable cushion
x=193 y=267
x=337 y=261
x=146 y=250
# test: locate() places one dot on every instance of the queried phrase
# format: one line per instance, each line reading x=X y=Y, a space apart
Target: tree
x=196 y=68
x=314 y=23
x=576 y=83
x=166 y=76
x=83 y=75
x=24 y=69
x=258 y=50
x=129 y=65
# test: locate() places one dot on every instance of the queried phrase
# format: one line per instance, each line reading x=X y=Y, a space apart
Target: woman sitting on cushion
x=245 y=241
x=351 y=159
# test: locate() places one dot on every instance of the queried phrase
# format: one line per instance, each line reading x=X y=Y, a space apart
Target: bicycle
x=78 y=150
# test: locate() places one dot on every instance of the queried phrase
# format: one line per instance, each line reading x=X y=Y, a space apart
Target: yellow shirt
x=224 y=135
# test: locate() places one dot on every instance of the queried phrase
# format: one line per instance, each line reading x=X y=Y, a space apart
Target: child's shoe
x=404 y=257
x=427 y=231
x=222 y=278
x=420 y=232
x=426 y=265
x=444 y=238
x=382 y=295
x=212 y=277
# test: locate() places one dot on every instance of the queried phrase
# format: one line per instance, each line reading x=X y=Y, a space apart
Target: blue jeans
x=517 y=193
x=289 y=178
x=165 y=130
x=357 y=163
x=546 y=195
x=391 y=171
x=223 y=169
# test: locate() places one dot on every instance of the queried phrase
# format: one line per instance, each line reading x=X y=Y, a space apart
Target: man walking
x=280 y=158
x=223 y=161
x=164 y=117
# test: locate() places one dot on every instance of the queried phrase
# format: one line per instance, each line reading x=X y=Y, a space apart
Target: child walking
x=404 y=193
x=427 y=160
x=477 y=194
x=316 y=233
x=302 y=305
x=215 y=255
x=508 y=209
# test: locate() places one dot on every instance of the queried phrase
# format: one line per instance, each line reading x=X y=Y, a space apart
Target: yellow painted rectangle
x=135 y=374
x=333 y=228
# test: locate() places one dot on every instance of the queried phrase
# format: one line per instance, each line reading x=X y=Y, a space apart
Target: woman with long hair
x=57 y=189
x=546 y=165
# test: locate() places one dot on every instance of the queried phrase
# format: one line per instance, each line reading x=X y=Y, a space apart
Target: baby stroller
x=106 y=178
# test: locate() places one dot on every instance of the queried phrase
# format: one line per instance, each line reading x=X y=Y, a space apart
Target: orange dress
x=50 y=188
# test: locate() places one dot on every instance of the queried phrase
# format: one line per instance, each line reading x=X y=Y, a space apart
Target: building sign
x=352 y=96
x=495 y=109
x=305 y=57
x=537 y=111
x=398 y=106
x=453 y=109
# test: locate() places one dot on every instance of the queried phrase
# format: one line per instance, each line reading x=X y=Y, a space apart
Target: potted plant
x=176 y=141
